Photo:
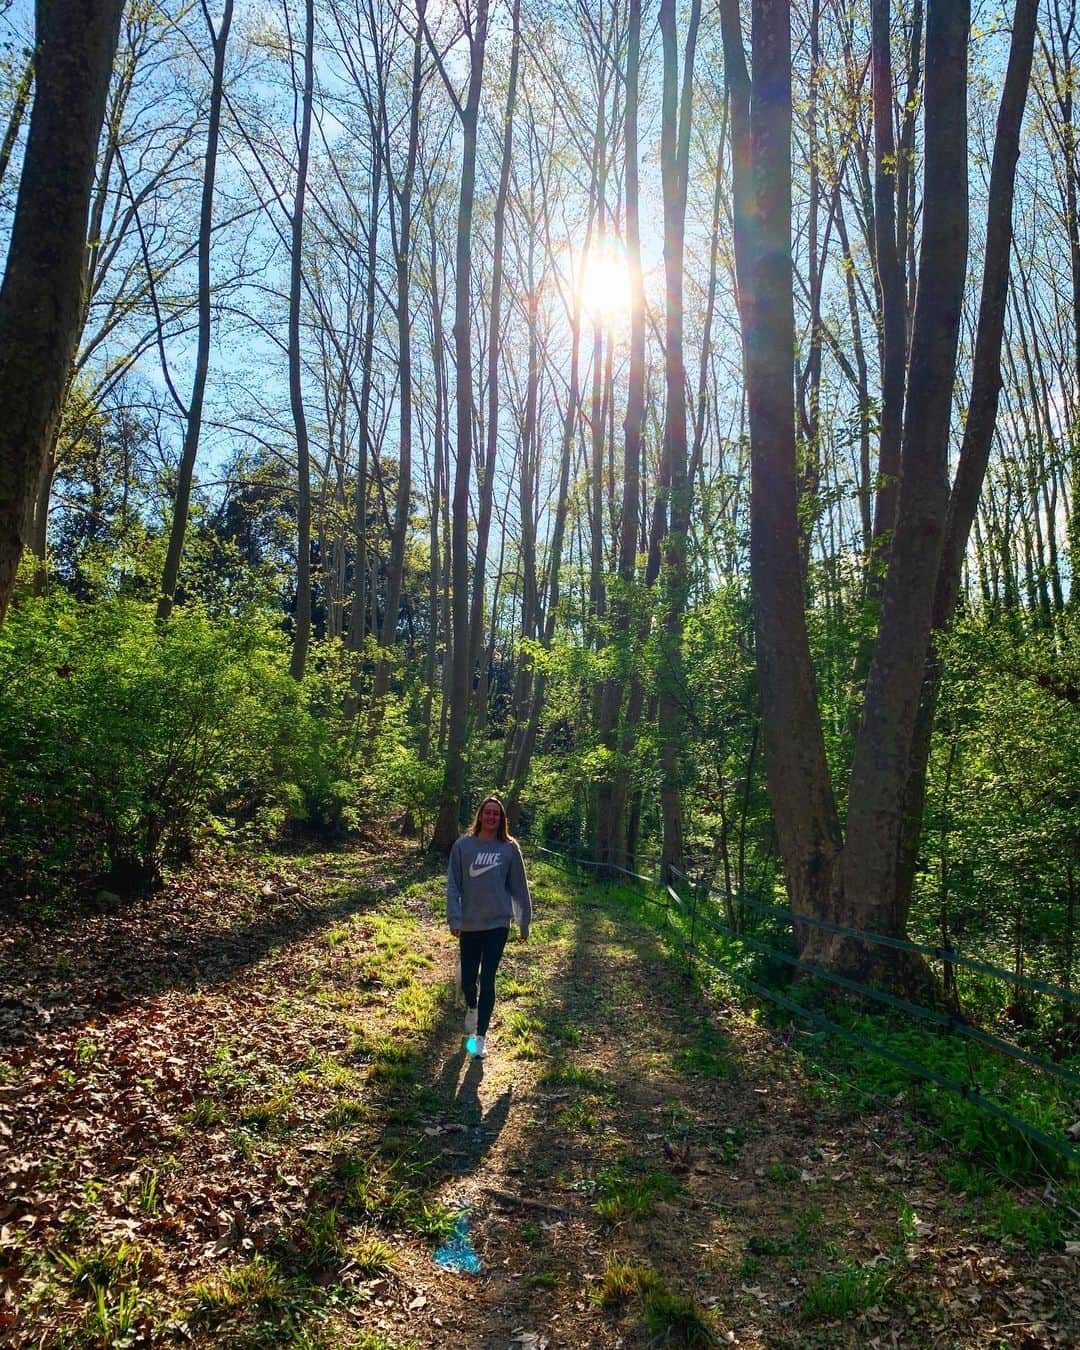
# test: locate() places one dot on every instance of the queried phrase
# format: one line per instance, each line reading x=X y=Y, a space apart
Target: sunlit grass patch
x=393 y=1061
x=623 y=1281
x=148 y=1193
x=319 y=1239
x=205 y=1113
x=512 y=987
x=256 y=1287
x=381 y=1191
x=552 y=932
x=99 y=1267
x=571 y=1075
x=348 y=1111
x=675 y=1319
x=850 y=1289
x=371 y=1256
x=432 y=890
x=417 y=1008
x=340 y=1077
x=114 y=1317
x=581 y=1117
x=524 y=1033
x=229 y=1068
x=375 y=1340
x=273 y=1116
x=629 y=1189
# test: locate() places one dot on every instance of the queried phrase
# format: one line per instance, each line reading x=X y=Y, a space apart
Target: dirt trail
x=252 y=1129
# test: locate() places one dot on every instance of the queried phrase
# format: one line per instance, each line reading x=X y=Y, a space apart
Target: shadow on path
x=101 y=964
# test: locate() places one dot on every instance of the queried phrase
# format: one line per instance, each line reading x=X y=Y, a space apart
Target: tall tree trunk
x=881 y=762
x=403 y=248
x=807 y=824
x=981 y=417
x=893 y=298
x=487 y=482
x=302 y=633
x=676 y=116
x=527 y=743
x=610 y=796
x=446 y=825
x=193 y=429
x=42 y=288
x=358 y=607
x=18 y=111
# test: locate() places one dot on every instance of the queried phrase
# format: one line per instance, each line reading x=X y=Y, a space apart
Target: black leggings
x=480 y=955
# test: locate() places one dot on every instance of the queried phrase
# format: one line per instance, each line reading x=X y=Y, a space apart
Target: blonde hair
x=502 y=832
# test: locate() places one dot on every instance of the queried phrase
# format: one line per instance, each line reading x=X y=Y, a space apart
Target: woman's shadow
x=462 y=1091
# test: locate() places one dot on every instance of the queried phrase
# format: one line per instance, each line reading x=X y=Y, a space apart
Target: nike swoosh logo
x=479 y=871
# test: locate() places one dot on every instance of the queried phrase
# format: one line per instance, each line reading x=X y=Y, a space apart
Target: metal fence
x=688 y=916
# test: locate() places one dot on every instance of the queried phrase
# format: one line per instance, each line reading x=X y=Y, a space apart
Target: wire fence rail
x=686 y=914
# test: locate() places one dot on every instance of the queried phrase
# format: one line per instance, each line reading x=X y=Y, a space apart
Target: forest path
x=242 y=1114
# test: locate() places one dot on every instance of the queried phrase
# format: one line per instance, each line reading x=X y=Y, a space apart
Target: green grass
x=149 y=1196
x=512 y=987
x=227 y=1069
x=545 y=1279
x=851 y=1080
x=1039 y=1227
x=569 y=1075
x=851 y=1289
x=383 y=1191
x=206 y=1113
x=318 y=1239
x=672 y=1319
x=524 y=1035
x=100 y=1267
x=782 y=1173
x=563 y=1031
x=394 y=1061
x=375 y=1340
x=372 y=1257
x=675 y=1319
x=808 y=1232
x=255 y=1288
x=348 y=1111
x=113 y=1320
x=582 y=1117
x=761 y=1244
x=629 y=1190
x=273 y=1116
x=708 y=1055
x=623 y=1281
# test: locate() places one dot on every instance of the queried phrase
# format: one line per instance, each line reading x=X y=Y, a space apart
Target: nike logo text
x=475 y=871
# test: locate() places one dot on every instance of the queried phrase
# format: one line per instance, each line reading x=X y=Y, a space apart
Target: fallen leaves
x=165 y=1087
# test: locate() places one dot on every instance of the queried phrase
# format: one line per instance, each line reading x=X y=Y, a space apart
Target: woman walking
x=486 y=892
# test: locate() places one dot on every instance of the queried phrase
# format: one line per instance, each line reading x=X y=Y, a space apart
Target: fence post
x=693 y=931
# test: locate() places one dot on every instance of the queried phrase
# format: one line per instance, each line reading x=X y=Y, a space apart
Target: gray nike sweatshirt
x=486 y=886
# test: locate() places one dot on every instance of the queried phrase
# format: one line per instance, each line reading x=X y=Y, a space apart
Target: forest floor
x=240 y=1113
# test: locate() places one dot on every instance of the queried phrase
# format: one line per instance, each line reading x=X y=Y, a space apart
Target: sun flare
x=605 y=284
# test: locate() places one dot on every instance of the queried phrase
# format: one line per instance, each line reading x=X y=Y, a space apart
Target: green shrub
x=121 y=738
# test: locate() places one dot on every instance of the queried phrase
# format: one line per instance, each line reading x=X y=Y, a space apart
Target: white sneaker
x=470 y=1021
x=479 y=1047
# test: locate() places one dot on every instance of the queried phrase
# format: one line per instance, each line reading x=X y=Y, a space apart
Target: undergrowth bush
x=122 y=741
x=120 y=738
